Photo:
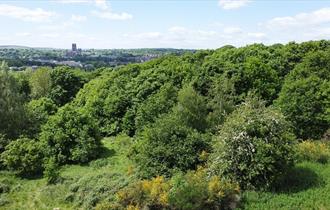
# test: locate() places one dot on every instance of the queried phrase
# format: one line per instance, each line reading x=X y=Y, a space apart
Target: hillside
x=244 y=128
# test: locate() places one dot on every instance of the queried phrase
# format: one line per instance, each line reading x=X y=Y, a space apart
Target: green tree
x=65 y=83
x=40 y=82
x=191 y=109
x=71 y=136
x=12 y=115
x=38 y=112
x=305 y=96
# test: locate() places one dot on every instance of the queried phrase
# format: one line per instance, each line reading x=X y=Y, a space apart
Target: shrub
x=195 y=190
x=52 y=171
x=254 y=146
x=152 y=194
x=71 y=136
x=192 y=191
x=313 y=151
x=24 y=156
x=168 y=146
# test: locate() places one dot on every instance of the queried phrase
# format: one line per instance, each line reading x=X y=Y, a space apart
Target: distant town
x=20 y=58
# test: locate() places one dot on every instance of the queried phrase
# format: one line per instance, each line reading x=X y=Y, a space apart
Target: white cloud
x=23 y=34
x=257 y=35
x=149 y=35
x=177 y=29
x=73 y=1
x=233 y=4
x=51 y=35
x=102 y=4
x=111 y=15
x=232 y=30
x=25 y=14
x=78 y=18
x=314 y=18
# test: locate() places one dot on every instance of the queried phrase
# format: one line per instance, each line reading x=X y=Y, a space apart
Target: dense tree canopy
x=305 y=96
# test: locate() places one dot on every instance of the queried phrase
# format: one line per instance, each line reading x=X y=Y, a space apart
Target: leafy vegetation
x=254 y=146
x=70 y=136
x=179 y=132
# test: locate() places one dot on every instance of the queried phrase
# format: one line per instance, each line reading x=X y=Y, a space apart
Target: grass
x=82 y=185
x=307 y=187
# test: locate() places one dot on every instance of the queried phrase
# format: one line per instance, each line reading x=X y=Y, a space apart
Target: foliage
x=65 y=83
x=305 y=96
x=38 y=112
x=193 y=190
x=191 y=109
x=222 y=101
x=71 y=136
x=51 y=171
x=151 y=194
x=40 y=82
x=3 y=143
x=254 y=146
x=24 y=156
x=11 y=104
x=196 y=190
x=313 y=151
x=154 y=106
x=167 y=146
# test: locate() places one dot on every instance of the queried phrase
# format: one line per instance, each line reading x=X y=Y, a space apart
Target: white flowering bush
x=254 y=146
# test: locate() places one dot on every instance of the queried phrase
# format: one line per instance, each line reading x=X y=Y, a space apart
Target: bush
x=192 y=191
x=168 y=146
x=71 y=136
x=254 y=146
x=196 y=190
x=313 y=151
x=52 y=171
x=3 y=143
x=24 y=156
x=151 y=194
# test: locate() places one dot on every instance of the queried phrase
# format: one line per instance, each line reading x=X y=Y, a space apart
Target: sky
x=190 y=24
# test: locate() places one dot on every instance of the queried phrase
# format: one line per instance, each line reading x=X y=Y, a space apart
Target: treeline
x=204 y=124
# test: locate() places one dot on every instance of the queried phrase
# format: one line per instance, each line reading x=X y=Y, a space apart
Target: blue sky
x=155 y=23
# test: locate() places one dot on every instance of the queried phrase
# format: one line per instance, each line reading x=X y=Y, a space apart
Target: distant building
x=74 y=47
x=74 y=51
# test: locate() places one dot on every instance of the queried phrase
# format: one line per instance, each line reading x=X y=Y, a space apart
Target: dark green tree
x=12 y=115
x=65 y=83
